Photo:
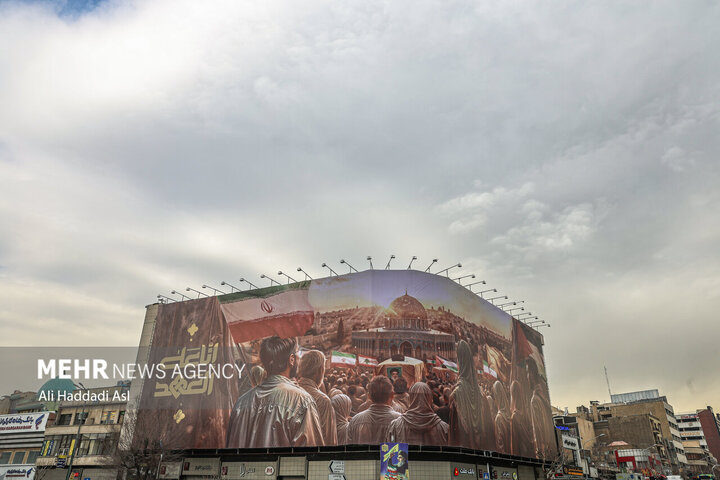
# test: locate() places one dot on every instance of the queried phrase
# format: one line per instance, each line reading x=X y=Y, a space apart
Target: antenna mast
x=608 y=382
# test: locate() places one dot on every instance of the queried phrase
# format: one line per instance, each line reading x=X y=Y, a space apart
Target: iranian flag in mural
x=446 y=363
x=286 y=314
x=342 y=358
x=367 y=361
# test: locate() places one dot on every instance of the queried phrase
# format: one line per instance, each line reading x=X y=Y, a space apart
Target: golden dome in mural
x=407 y=307
x=408 y=311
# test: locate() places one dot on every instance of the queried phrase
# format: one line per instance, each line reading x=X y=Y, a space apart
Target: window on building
x=64 y=419
x=19 y=457
x=109 y=443
x=108 y=418
x=121 y=416
x=32 y=456
x=85 y=442
x=49 y=447
x=80 y=418
x=63 y=444
x=97 y=444
x=5 y=457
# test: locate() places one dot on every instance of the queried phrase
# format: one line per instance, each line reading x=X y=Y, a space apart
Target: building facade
x=362 y=464
x=21 y=438
x=710 y=423
x=84 y=436
x=699 y=459
x=647 y=402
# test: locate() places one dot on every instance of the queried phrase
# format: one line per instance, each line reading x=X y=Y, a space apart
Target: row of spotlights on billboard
x=530 y=319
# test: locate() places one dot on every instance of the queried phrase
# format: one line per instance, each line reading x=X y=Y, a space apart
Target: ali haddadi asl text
x=85 y=396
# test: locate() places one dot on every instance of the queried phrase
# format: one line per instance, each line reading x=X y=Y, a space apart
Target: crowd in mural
x=297 y=401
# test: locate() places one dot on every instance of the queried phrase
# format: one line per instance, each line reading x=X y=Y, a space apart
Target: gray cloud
x=566 y=153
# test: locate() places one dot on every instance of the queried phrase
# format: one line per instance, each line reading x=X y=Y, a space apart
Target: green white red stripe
x=487 y=369
x=342 y=358
x=446 y=363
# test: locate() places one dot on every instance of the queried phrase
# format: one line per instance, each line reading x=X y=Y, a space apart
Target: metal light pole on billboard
x=411 y=262
x=447 y=270
x=175 y=292
x=469 y=285
x=511 y=303
x=485 y=291
x=387 y=267
x=217 y=291
x=431 y=264
x=299 y=269
x=163 y=297
x=369 y=259
x=272 y=280
x=188 y=289
x=491 y=300
x=351 y=267
x=459 y=279
x=325 y=265
x=232 y=288
x=249 y=283
x=280 y=272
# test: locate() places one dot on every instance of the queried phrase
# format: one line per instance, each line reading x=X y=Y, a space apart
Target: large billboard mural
x=364 y=358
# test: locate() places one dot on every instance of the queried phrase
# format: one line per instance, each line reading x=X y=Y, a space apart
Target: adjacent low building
x=710 y=422
x=84 y=436
x=21 y=438
x=692 y=426
x=668 y=445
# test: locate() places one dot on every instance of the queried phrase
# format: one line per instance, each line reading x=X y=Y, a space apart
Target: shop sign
x=23 y=423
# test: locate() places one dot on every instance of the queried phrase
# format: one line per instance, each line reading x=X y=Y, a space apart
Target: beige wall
x=587 y=433
x=292 y=466
x=657 y=409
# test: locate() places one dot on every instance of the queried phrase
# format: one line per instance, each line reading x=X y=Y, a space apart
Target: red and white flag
x=366 y=361
x=343 y=359
x=285 y=314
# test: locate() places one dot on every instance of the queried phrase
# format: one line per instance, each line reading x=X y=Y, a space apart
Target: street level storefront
x=350 y=463
x=21 y=438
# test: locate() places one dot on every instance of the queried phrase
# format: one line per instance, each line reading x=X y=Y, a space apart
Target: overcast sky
x=566 y=152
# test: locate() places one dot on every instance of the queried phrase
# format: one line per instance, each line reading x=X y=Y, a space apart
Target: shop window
x=5 y=457
x=19 y=457
x=32 y=456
